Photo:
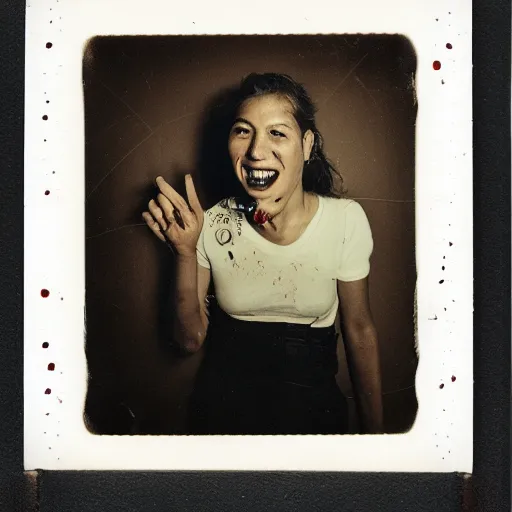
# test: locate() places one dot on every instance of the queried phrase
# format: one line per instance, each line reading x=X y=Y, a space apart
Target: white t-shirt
x=258 y=280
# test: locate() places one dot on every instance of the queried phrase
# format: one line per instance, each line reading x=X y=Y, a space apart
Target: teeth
x=260 y=174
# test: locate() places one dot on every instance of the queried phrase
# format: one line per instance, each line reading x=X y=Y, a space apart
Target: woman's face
x=268 y=151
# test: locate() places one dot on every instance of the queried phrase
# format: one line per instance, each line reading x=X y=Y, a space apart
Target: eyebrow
x=243 y=120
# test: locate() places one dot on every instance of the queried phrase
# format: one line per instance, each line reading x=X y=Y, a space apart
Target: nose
x=257 y=149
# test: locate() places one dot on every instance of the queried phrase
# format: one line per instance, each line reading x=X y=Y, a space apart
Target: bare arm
x=190 y=317
x=172 y=219
x=361 y=345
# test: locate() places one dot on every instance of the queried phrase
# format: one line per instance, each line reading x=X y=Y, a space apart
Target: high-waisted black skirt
x=267 y=378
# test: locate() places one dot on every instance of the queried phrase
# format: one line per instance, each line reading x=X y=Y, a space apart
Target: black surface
x=491 y=114
x=12 y=482
x=270 y=492
x=73 y=491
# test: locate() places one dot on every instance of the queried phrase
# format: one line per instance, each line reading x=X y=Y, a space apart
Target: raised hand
x=174 y=220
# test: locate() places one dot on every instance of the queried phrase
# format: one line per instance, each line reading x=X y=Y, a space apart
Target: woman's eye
x=239 y=130
x=277 y=133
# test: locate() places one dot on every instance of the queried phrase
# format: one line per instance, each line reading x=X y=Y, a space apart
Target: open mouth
x=260 y=179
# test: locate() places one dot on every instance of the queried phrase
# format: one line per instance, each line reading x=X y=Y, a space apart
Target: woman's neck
x=291 y=222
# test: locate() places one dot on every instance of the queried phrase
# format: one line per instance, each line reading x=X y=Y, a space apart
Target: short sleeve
x=356 y=246
x=202 y=257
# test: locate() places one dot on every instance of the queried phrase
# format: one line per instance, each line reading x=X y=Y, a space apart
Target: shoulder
x=221 y=207
x=342 y=208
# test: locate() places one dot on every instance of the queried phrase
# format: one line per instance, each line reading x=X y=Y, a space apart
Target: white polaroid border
x=55 y=434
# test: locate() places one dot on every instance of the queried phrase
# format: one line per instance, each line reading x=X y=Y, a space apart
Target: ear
x=307 y=144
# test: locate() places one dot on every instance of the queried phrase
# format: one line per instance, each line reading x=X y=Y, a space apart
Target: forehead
x=268 y=108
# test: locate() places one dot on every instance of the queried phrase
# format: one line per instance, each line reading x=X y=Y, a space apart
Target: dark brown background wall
x=146 y=100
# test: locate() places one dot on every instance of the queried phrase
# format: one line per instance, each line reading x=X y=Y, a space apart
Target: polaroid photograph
x=248 y=236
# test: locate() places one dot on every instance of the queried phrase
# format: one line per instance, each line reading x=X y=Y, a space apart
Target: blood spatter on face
x=51 y=367
x=436 y=65
x=454 y=378
x=278 y=199
x=230 y=254
x=46 y=344
x=45 y=293
x=47 y=391
x=261 y=217
x=441 y=386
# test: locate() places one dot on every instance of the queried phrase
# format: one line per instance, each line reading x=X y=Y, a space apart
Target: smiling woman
x=270 y=343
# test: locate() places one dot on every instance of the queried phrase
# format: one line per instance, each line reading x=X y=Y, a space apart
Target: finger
x=171 y=194
x=157 y=214
x=192 y=196
x=172 y=214
x=153 y=225
x=166 y=206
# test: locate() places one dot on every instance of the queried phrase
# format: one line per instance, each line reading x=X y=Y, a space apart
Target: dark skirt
x=262 y=378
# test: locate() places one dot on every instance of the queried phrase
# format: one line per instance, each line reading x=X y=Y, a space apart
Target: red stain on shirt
x=436 y=65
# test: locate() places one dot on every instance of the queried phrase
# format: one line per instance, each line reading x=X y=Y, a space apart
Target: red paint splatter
x=449 y=46
x=44 y=293
x=260 y=217
x=49 y=45
x=436 y=65
x=51 y=367
x=454 y=378
x=45 y=118
x=46 y=192
x=46 y=344
x=48 y=391
x=441 y=386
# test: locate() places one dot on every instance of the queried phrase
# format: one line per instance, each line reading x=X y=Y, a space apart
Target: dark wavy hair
x=319 y=175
